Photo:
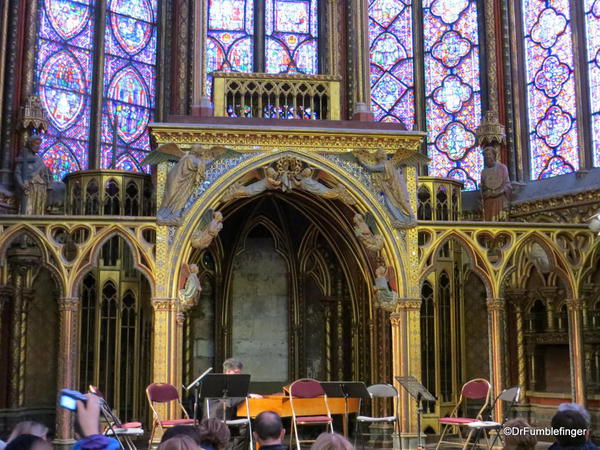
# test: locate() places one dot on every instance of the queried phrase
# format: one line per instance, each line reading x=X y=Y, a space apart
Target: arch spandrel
x=175 y=242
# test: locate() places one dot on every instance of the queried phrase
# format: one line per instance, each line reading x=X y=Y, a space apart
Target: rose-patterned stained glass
x=64 y=78
x=592 y=22
x=291 y=35
x=129 y=78
x=391 y=61
x=230 y=37
x=552 y=115
x=452 y=89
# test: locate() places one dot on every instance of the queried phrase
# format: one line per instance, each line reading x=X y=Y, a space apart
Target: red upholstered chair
x=303 y=389
x=164 y=393
x=477 y=389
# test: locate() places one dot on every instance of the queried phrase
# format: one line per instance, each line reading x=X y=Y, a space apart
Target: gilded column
x=17 y=345
x=359 y=42
x=68 y=359
x=167 y=357
x=515 y=296
x=406 y=356
x=549 y=295
x=495 y=307
x=574 y=310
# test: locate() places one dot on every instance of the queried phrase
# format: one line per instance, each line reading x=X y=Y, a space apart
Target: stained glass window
x=452 y=89
x=129 y=78
x=391 y=61
x=291 y=30
x=553 y=127
x=230 y=37
x=592 y=20
x=64 y=73
x=64 y=82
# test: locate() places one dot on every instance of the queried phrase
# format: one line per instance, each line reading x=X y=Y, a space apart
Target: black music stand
x=346 y=390
x=218 y=385
x=420 y=394
x=195 y=384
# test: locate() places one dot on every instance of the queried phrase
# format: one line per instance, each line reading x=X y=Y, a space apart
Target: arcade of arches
x=319 y=209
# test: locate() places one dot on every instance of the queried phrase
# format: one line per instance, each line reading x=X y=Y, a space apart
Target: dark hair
x=214 y=433
x=25 y=442
x=570 y=420
x=182 y=430
x=232 y=364
x=519 y=441
x=179 y=442
x=268 y=425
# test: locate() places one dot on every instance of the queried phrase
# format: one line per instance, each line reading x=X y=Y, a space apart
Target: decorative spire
x=490 y=131
x=34 y=117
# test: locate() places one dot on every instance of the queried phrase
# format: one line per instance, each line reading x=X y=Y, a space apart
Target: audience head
x=232 y=366
x=181 y=430
x=571 y=416
x=179 y=442
x=268 y=429
x=29 y=427
x=519 y=440
x=332 y=441
x=214 y=433
x=28 y=442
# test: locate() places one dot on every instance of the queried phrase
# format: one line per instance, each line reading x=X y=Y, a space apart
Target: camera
x=68 y=399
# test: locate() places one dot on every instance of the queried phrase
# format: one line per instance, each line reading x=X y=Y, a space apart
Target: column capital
x=574 y=304
x=495 y=304
x=68 y=303
x=164 y=304
x=409 y=304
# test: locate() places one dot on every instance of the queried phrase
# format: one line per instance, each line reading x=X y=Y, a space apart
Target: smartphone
x=68 y=399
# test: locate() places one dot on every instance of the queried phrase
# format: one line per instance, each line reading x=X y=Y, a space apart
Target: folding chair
x=476 y=389
x=114 y=427
x=306 y=388
x=510 y=396
x=379 y=391
x=164 y=393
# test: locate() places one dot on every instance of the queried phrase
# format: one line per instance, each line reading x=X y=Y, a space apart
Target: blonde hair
x=29 y=427
x=332 y=441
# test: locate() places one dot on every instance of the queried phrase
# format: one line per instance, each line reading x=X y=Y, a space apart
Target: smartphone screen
x=68 y=402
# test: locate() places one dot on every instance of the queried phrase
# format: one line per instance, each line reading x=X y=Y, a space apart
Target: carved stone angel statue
x=269 y=181
x=387 y=177
x=183 y=178
x=189 y=285
x=385 y=296
x=364 y=230
x=210 y=225
x=305 y=181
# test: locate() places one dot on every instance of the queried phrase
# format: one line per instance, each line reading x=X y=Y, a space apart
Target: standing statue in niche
x=388 y=178
x=32 y=178
x=184 y=177
x=385 y=297
x=496 y=187
x=189 y=285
